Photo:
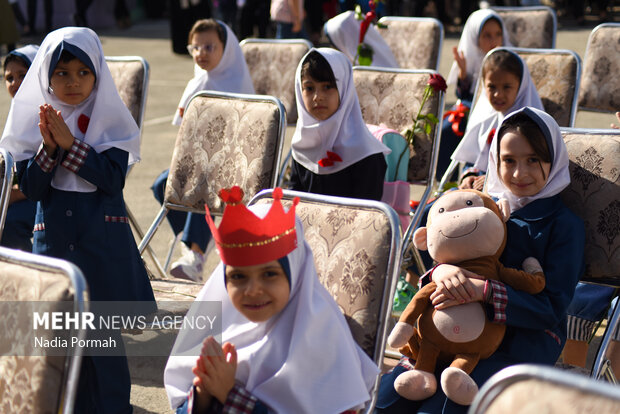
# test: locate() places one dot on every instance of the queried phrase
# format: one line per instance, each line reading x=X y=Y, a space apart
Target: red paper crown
x=243 y=239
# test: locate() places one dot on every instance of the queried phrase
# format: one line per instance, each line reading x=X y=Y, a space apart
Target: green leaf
x=421 y=117
x=382 y=25
x=431 y=117
x=427 y=129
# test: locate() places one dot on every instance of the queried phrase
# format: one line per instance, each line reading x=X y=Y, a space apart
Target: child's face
x=258 y=292
x=501 y=88
x=72 y=81
x=210 y=49
x=520 y=168
x=13 y=76
x=321 y=99
x=491 y=36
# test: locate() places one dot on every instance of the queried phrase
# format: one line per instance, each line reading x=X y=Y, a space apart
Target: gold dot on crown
x=258 y=243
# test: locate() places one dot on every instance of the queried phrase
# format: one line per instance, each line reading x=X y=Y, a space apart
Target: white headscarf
x=230 y=75
x=468 y=44
x=26 y=53
x=302 y=360
x=559 y=175
x=343 y=133
x=344 y=29
x=474 y=147
x=111 y=124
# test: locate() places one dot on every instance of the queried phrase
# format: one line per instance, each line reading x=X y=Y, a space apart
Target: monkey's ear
x=419 y=238
x=504 y=209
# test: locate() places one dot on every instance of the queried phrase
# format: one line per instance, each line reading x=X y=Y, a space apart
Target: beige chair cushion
x=351 y=248
x=594 y=195
x=530 y=28
x=555 y=78
x=272 y=68
x=223 y=142
x=415 y=43
x=600 y=83
x=536 y=396
x=28 y=384
x=129 y=79
x=393 y=99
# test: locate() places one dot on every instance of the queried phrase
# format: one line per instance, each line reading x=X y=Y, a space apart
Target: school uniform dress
x=337 y=156
x=81 y=215
x=230 y=75
x=540 y=227
x=465 y=88
x=301 y=360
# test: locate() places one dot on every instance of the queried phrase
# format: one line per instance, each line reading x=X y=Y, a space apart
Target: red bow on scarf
x=83 y=121
x=490 y=137
x=331 y=158
x=456 y=117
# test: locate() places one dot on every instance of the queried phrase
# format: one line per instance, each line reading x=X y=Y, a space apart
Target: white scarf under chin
x=302 y=360
x=111 y=124
x=343 y=133
x=559 y=175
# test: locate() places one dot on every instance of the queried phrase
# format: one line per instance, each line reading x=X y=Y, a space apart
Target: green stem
x=399 y=159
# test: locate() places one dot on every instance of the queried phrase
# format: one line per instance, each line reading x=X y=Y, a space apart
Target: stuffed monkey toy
x=464 y=228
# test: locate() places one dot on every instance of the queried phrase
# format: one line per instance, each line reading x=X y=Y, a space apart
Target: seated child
x=286 y=345
x=73 y=139
x=334 y=153
x=219 y=65
x=343 y=32
x=19 y=222
x=484 y=30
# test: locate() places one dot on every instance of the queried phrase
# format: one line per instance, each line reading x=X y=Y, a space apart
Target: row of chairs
x=357 y=246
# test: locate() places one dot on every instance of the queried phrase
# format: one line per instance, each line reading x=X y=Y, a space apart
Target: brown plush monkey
x=464 y=228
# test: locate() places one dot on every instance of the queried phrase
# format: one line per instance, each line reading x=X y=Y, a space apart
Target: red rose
x=437 y=82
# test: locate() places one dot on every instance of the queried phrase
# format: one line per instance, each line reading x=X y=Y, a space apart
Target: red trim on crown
x=243 y=239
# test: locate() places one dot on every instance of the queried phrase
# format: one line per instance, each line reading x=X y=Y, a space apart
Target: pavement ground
x=169 y=74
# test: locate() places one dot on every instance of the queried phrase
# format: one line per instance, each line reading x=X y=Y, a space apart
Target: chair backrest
x=530 y=388
x=600 y=84
x=556 y=73
x=532 y=26
x=594 y=195
x=131 y=77
x=37 y=383
x=6 y=183
x=356 y=246
x=392 y=97
x=225 y=139
x=415 y=41
x=272 y=64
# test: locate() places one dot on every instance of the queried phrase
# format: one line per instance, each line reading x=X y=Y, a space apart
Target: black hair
x=11 y=57
x=316 y=66
x=505 y=61
x=523 y=123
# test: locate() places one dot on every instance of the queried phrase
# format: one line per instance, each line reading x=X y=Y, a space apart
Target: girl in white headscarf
x=508 y=86
x=528 y=166
x=483 y=31
x=73 y=138
x=292 y=354
x=334 y=153
x=343 y=31
x=219 y=65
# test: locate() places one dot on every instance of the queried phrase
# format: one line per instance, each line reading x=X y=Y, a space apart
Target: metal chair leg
x=134 y=223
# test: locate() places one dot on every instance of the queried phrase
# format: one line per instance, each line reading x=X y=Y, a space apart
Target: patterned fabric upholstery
x=351 y=248
x=555 y=76
x=223 y=142
x=594 y=195
x=393 y=99
x=272 y=67
x=129 y=79
x=600 y=84
x=530 y=27
x=534 y=395
x=28 y=384
x=415 y=42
